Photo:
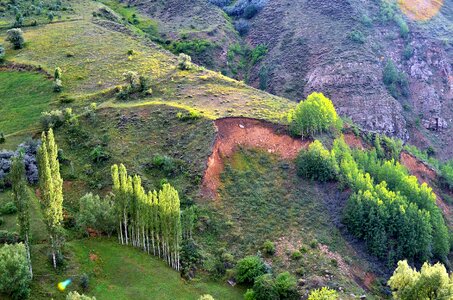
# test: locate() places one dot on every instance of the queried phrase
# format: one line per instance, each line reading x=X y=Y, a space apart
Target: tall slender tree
x=22 y=200
x=51 y=188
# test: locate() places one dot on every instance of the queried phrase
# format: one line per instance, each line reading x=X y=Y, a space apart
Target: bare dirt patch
x=235 y=132
x=354 y=141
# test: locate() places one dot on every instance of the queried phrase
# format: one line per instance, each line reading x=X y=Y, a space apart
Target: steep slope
x=341 y=49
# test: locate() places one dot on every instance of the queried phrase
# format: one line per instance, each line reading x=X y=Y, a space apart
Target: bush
x=52 y=119
x=314 y=115
x=264 y=288
x=98 y=154
x=269 y=247
x=8 y=208
x=96 y=213
x=286 y=286
x=396 y=82
x=206 y=297
x=2 y=53
x=357 y=36
x=15 y=277
x=184 y=62
x=250 y=295
x=8 y=237
x=57 y=86
x=324 y=293
x=1 y=221
x=2 y=138
x=248 y=268
x=242 y=27
x=76 y=296
x=16 y=37
x=296 y=255
x=316 y=163
x=164 y=163
x=84 y=281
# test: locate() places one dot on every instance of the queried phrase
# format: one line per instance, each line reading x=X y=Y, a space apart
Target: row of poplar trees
x=147 y=220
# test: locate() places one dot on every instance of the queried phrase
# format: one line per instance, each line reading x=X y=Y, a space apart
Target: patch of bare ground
x=235 y=132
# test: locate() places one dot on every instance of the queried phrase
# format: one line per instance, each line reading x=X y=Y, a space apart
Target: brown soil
x=235 y=132
x=24 y=68
x=353 y=141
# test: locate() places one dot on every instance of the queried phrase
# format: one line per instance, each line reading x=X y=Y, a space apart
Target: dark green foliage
x=264 y=288
x=249 y=268
x=263 y=75
x=269 y=248
x=8 y=208
x=15 y=277
x=296 y=255
x=286 y=286
x=16 y=37
x=258 y=53
x=2 y=53
x=2 y=137
x=165 y=163
x=99 y=154
x=395 y=215
x=7 y=237
x=84 y=281
x=408 y=52
x=316 y=163
x=447 y=174
x=357 y=36
x=396 y=82
x=190 y=258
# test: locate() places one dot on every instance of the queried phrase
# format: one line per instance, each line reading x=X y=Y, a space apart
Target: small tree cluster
x=136 y=84
x=96 y=213
x=314 y=115
x=268 y=287
x=316 y=163
x=249 y=268
x=150 y=221
x=184 y=62
x=395 y=81
x=431 y=282
x=16 y=37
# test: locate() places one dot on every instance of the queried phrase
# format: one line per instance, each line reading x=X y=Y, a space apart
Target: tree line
x=388 y=209
x=148 y=220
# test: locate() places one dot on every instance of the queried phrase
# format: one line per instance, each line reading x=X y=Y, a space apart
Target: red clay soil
x=235 y=132
x=353 y=141
x=425 y=174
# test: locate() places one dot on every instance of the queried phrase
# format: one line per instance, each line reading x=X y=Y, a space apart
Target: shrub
x=98 y=154
x=1 y=221
x=248 y=268
x=8 y=208
x=2 y=53
x=316 y=163
x=52 y=119
x=184 y=62
x=314 y=115
x=8 y=237
x=269 y=247
x=324 y=293
x=57 y=86
x=76 y=296
x=206 y=297
x=264 y=288
x=16 y=37
x=250 y=295
x=286 y=286
x=15 y=277
x=96 y=213
x=258 y=53
x=357 y=36
x=57 y=73
x=164 y=163
x=408 y=52
x=193 y=47
x=242 y=27
x=2 y=138
x=396 y=82
x=84 y=281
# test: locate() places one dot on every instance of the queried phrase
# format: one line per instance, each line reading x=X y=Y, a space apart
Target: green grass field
x=24 y=96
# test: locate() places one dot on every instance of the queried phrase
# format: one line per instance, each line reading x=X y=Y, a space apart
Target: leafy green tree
x=15 y=277
x=316 y=163
x=248 y=268
x=431 y=282
x=264 y=288
x=51 y=188
x=16 y=37
x=97 y=213
x=314 y=115
x=324 y=293
x=22 y=200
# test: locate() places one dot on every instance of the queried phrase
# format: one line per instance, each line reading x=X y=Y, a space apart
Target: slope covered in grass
x=24 y=95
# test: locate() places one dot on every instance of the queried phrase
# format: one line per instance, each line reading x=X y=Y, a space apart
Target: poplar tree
x=22 y=200
x=51 y=188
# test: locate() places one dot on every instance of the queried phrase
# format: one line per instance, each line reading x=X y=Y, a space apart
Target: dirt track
x=234 y=132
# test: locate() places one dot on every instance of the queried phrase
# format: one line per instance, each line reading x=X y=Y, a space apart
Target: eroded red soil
x=235 y=132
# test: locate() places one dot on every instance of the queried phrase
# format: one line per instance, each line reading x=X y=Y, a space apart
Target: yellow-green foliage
x=431 y=282
x=314 y=115
x=324 y=293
